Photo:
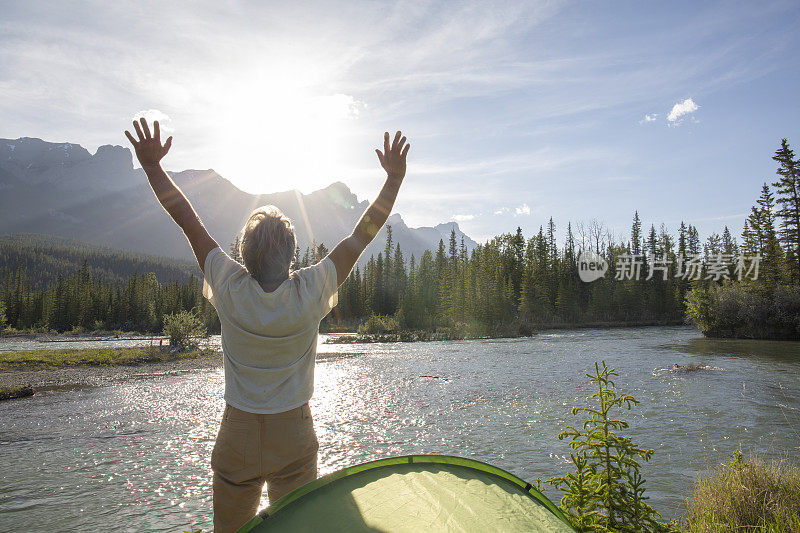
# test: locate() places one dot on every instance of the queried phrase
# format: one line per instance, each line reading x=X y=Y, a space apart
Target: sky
x=516 y=111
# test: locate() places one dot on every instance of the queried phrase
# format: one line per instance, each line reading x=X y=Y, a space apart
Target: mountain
x=62 y=189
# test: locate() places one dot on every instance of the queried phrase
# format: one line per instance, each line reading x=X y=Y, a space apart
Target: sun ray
x=302 y=208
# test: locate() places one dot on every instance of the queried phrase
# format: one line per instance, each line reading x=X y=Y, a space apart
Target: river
x=134 y=456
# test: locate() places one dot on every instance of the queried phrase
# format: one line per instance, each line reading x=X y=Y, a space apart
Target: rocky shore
x=77 y=336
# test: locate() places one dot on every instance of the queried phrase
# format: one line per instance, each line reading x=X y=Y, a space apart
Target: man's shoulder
x=223 y=263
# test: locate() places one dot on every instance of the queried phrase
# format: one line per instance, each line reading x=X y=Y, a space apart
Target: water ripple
x=138 y=452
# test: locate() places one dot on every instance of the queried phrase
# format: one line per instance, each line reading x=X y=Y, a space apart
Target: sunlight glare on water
x=135 y=455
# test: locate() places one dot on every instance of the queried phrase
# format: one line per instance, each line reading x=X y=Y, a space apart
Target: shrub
x=698 y=307
x=2 y=315
x=606 y=491
x=183 y=328
x=379 y=324
x=746 y=494
x=474 y=330
x=746 y=311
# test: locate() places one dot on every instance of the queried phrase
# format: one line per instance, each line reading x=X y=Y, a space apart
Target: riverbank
x=76 y=336
x=746 y=311
x=457 y=335
x=89 y=367
x=399 y=336
x=746 y=493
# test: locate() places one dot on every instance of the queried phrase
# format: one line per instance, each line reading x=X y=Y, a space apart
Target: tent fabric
x=413 y=493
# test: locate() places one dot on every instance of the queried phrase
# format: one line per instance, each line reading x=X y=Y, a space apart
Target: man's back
x=269 y=339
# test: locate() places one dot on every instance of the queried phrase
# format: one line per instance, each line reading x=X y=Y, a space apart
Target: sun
x=279 y=136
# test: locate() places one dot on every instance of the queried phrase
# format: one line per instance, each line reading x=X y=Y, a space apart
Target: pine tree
x=427 y=289
x=379 y=291
x=320 y=252
x=749 y=239
x=652 y=245
x=680 y=263
x=552 y=247
x=729 y=245
x=713 y=246
x=682 y=240
x=453 y=248
x=308 y=257
x=234 y=250
x=762 y=220
x=362 y=308
x=440 y=257
x=388 y=272
x=399 y=278
x=515 y=261
x=788 y=186
x=606 y=491
x=636 y=234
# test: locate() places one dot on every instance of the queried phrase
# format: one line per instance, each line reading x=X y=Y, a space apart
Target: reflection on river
x=134 y=456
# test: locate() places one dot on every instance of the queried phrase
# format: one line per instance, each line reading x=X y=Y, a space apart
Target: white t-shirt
x=269 y=339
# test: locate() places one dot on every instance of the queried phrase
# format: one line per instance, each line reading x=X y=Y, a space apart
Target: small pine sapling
x=606 y=490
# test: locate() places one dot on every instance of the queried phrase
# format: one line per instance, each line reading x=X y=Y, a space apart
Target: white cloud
x=687 y=107
x=462 y=218
x=524 y=209
x=649 y=118
x=502 y=211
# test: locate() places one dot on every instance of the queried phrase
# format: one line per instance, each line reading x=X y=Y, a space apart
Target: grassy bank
x=402 y=336
x=746 y=494
x=612 y=324
x=65 y=358
x=364 y=335
x=33 y=333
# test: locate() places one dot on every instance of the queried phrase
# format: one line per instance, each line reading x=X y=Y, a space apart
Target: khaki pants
x=279 y=449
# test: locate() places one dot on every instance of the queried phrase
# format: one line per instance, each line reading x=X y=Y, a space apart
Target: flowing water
x=134 y=456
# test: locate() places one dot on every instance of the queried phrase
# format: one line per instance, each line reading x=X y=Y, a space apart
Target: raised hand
x=393 y=158
x=148 y=148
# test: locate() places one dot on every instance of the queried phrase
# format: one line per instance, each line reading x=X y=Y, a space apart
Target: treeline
x=84 y=301
x=512 y=284
x=772 y=229
x=45 y=257
x=768 y=307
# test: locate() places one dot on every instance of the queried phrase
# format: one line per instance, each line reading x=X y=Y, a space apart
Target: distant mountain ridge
x=62 y=189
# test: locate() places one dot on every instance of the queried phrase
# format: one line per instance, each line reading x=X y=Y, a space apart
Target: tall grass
x=746 y=494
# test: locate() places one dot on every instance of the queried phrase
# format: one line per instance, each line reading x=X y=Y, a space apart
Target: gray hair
x=267 y=244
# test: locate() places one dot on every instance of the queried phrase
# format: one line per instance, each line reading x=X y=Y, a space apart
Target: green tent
x=413 y=493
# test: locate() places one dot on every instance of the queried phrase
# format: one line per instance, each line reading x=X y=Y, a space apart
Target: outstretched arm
x=393 y=161
x=149 y=151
